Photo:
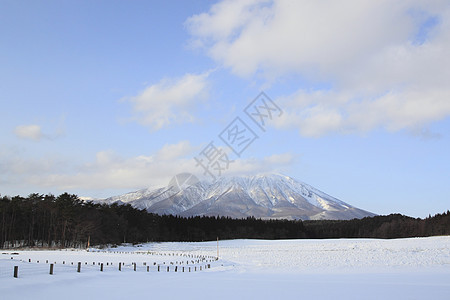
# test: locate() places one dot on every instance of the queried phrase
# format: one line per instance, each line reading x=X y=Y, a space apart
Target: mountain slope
x=271 y=196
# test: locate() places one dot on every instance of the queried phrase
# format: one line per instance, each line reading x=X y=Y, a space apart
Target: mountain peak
x=267 y=196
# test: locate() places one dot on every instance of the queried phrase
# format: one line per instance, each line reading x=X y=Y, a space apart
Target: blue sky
x=99 y=98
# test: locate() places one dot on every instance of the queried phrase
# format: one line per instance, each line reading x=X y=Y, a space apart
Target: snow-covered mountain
x=272 y=196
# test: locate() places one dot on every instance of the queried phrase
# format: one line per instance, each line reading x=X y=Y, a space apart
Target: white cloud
x=18 y=168
x=291 y=35
x=319 y=113
x=174 y=151
x=383 y=70
x=34 y=132
x=278 y=163
x=111 y=172
x=30 y=132
x=170 y=101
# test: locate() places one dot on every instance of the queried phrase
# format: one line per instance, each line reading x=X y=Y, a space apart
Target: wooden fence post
x=148 y=268
x=51 y=269
x=79 y=267
x=158 y=268
x=16 y=271
x=101 y=267
x=120 y=266
x=168 y=268
x=135 y=266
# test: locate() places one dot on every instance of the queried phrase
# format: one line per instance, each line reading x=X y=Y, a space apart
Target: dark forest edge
x=66 y=221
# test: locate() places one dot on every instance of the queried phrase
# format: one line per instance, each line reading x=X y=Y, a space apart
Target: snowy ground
x=247 y=269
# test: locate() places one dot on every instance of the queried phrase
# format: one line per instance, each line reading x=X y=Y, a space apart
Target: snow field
x=417 y=268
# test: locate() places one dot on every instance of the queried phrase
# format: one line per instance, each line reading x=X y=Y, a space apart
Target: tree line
x=66 y=221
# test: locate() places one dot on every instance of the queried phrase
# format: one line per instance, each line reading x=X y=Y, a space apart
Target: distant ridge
x=268 y=196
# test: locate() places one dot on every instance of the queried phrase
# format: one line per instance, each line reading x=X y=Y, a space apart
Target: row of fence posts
x=16 y=268
x=208 y=266
x=181 y=262
x=161 y=254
